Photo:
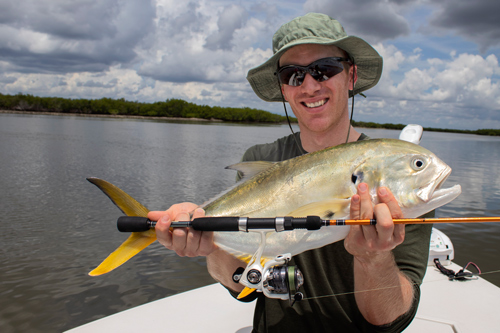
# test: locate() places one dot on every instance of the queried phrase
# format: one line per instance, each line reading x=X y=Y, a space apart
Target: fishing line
x=388 y=287
x=490 y=272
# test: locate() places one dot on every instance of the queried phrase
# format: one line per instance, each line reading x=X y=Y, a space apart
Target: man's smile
x=316 y=104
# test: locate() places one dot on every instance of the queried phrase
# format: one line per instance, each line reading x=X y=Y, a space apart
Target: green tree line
x=491 y=132
x=174 y=108
x=107 y=106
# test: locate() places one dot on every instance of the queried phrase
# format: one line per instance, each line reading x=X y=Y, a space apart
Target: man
x=370 y=281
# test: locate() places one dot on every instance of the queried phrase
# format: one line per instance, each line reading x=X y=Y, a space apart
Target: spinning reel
x=276 y=279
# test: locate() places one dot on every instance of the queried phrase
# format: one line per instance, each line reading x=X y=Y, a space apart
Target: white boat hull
x=445 y=306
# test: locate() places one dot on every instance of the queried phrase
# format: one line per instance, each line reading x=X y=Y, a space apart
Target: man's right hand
x=186 y=242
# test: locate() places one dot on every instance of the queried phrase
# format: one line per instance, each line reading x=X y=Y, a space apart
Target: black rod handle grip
x=222 y=223
x=133 y=224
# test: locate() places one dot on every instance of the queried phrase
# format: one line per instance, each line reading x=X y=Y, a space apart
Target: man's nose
x=310 y=84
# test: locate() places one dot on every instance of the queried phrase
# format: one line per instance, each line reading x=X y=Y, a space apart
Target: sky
x=440 y=57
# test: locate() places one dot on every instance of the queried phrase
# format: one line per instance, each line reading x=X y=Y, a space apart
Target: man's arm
x=191 y=243
x=383 y=293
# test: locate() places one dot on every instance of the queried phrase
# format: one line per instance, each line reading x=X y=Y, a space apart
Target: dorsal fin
x=250 y=169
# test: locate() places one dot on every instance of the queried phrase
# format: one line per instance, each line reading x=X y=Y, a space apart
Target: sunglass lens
x=292 y=76
x=324 y=72
x=321 y=70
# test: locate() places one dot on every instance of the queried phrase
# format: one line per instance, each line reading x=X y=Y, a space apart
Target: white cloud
x=231 y=19
x=457 y=92
x=216 y=44
x=201 y=50
x=470 y=80
x=476 y=21
x=374 y=20
x=84 y=35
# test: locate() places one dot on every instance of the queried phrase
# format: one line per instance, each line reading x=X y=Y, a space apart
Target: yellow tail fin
x=137 y=240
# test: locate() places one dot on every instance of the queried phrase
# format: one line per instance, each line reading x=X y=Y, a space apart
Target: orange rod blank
x=420 y=220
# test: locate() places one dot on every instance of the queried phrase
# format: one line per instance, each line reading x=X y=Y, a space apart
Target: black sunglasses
x=321 y=70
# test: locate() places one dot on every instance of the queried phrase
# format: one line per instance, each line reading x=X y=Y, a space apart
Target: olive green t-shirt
x=329 y=303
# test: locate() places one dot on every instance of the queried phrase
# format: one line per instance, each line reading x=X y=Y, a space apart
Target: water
x=55 y=226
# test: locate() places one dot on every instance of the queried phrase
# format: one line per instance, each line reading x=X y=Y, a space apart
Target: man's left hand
x=366 y=243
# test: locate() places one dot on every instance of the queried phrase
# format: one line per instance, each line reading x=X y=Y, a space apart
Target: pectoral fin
x=136 y=242
x=324 y=209
x=250 y=169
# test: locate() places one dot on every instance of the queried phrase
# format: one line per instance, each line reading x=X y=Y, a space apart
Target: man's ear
x=283 y=93
x=355 y=69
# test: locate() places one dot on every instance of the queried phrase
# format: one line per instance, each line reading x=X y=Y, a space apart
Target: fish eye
x=357 y=177
x=354 y=178
x=417 y=164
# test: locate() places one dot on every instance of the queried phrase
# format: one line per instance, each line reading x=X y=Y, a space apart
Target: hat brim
x=266 y=85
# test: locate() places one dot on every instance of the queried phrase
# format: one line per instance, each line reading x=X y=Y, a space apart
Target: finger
x=366 y=206
x=155 y=215
x=174 y=210
x=355 y=237
x=370 y=235
x=207 y=245
x=386 y=196
x=198 y=212
x=399 y=233
x=384 y=227
x=355 y=210
x=163 y=233
x=179 y=235
x=366 y=212
x=194 y=237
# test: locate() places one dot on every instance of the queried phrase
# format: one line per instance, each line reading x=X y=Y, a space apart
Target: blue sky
x=440 y=57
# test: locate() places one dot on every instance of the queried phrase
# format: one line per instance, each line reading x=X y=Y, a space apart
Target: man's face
x=318 y=106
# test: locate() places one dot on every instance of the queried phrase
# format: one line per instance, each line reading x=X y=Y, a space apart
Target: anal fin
x=245 y=292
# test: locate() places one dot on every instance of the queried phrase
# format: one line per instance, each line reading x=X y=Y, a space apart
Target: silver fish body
x=322 y=183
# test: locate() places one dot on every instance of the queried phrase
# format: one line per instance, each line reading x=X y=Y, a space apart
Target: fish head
x=413 y=174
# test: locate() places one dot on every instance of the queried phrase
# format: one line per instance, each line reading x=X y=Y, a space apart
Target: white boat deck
x=445 y=306
x=456 y=306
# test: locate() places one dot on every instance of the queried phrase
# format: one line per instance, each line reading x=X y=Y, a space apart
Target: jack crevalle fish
x=320 y=183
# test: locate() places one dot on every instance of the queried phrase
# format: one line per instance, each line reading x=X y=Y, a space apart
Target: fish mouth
x=434 y=195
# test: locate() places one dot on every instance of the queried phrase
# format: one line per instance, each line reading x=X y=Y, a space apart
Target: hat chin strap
x=350 y=121
x=352 y=103
x=288 y=120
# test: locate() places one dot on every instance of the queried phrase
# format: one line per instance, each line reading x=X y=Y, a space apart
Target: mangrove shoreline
x=169 y=110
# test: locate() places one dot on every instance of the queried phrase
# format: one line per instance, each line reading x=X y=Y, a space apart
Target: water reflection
x=56 y=226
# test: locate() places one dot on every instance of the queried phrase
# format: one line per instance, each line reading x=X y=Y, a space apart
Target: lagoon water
x=55 y=226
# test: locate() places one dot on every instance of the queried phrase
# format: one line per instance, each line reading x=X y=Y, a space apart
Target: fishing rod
x=275 y=278
x=245 y=224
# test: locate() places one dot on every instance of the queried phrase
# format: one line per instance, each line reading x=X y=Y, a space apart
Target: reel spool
x=285 y=280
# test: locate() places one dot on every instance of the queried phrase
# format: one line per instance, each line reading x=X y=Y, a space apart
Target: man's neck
x=313 y=141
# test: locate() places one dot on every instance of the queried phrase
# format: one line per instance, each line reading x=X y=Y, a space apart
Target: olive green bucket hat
x=314 y=28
